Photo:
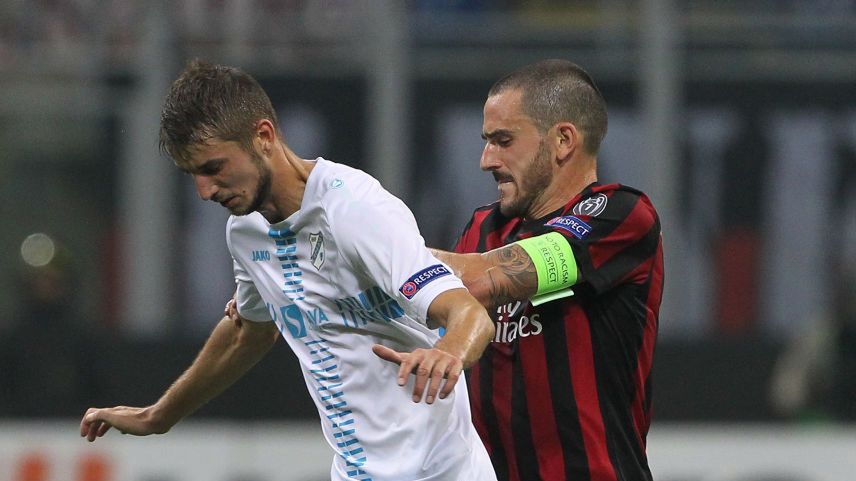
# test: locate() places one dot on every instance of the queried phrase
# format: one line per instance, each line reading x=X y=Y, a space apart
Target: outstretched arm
x=232 y=349
x=468 y=332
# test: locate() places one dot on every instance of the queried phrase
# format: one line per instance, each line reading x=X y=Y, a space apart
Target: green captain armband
x=555 y=266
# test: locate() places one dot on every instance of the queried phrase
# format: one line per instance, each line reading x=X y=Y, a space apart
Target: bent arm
x=230 y=351
x=496 y=277
x=468 y=332
x=468 y=326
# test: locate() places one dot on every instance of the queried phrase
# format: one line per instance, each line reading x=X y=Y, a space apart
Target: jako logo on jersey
x=261 y=256
x=416 y=281
x=592 y=206
x=571 y=224
x=508 y=329
x=337 y=183
x=316 y=248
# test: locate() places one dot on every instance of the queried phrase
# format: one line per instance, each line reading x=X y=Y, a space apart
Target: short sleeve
x=248 y=301
x=613 y=234
x=379 y=237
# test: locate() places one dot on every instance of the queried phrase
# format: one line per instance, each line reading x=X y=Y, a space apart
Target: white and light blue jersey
x=346 y=271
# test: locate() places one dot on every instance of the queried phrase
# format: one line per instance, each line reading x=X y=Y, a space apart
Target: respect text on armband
x=412 y=285
x=558 y=269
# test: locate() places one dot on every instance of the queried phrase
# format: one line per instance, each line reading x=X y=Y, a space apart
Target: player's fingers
x=84 y=424
x=437 y=374
x=95 y=420
x=387 y=354
x=96 y=428
x=423 y=371
x=453 y=373
x=102 y=430
x=404 y=360
x=409 y=362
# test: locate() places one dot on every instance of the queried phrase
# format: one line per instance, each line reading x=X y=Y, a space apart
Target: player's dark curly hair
x=210 y=101
x=559 y=91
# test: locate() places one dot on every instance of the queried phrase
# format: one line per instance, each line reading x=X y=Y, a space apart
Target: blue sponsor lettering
x=370 y=305
x=289 y=317
x=317 y=316
x=261 y=256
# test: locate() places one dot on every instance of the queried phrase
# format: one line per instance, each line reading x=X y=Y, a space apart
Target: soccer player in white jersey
x=329 y=260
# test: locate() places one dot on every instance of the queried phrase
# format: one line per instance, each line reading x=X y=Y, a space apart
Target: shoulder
x=612 y=200
x=244 y=227
x=333 y=177
x=353 y=201
x=239 y=223
x=487 y=215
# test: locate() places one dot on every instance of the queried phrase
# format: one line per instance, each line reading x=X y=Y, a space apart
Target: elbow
x=479 y=288
x=256 y=337
x=478 y=283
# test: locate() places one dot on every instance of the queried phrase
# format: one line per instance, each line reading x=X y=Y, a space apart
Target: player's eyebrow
x=209 y=165
x=496 y=133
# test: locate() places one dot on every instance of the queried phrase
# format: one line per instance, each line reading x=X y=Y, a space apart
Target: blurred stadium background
x=737 y=117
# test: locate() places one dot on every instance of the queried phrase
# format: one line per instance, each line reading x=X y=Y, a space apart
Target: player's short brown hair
x=559 y=91
x=210 y=101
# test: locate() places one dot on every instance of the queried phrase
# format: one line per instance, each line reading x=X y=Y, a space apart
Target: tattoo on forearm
x=513 y=277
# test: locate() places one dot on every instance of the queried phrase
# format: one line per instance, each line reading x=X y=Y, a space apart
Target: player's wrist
x=449 y=348
x=160 y=418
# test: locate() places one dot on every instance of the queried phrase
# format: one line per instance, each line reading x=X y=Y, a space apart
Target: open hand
x=431 y=367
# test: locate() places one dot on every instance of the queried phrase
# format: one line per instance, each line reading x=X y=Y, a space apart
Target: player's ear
x=567 y=139
x=265 y=135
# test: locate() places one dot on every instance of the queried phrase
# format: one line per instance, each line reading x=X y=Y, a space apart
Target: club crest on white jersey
x=316 y=249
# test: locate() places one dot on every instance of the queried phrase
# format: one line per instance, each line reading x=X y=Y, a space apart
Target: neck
x=289 y=174
x=563 y=188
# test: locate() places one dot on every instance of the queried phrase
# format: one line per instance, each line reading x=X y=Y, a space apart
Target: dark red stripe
x=502 y=408
x=641 y=413
x=584 y=382
x=470 y=238
x=640 y=219
x=545 y=433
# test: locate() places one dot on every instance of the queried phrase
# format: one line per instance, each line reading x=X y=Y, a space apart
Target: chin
x=511 y=208
x=239 y=211
x=507 y=210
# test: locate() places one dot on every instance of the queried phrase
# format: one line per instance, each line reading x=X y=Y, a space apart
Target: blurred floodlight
x=38 y=249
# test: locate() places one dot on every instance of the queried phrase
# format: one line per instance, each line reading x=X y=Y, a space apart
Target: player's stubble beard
x=262 y=186
x=532 y=183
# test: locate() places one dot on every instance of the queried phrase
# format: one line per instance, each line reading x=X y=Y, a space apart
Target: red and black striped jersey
x=564 y=390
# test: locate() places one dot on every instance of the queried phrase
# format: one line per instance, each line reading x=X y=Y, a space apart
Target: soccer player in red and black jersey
x=572 y=271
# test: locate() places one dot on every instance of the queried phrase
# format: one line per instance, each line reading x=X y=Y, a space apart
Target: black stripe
x=521 y=431
x=618 y=328
x=618 y=209
x=562 y=393
x=626 y=261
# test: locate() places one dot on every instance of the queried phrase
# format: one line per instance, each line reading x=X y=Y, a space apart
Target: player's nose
x=205 y=187
x=489 y=159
